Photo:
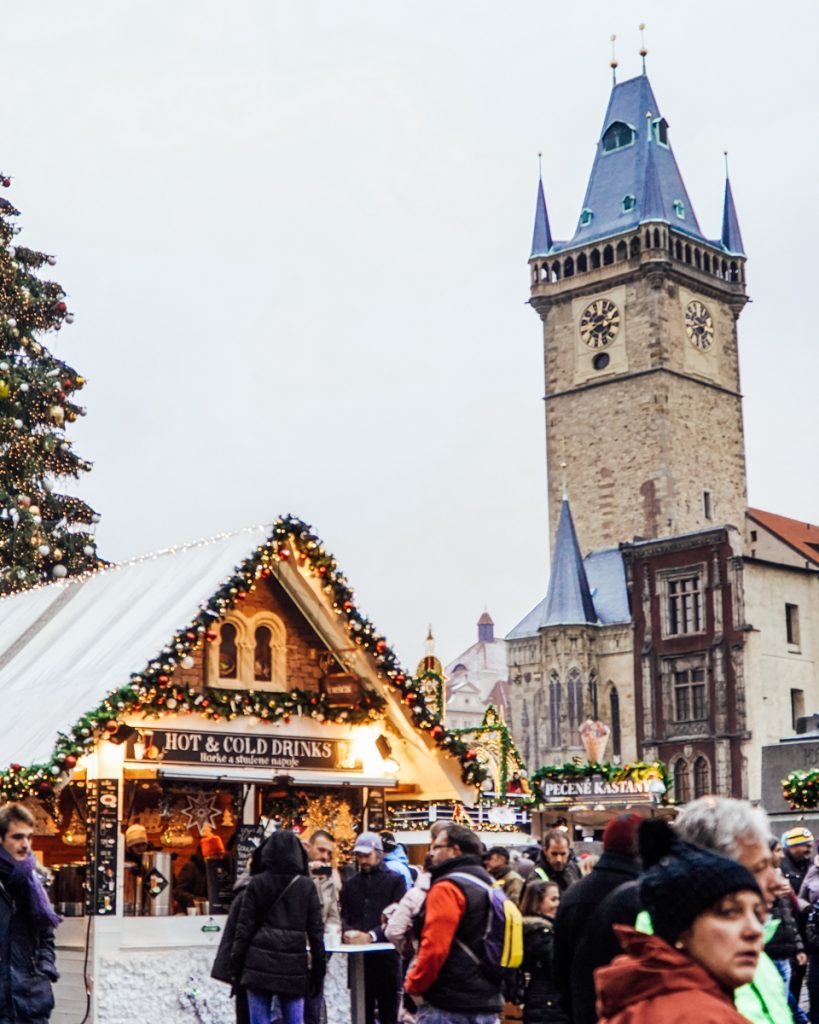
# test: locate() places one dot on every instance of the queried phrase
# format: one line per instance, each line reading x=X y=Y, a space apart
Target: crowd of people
x=709 y=920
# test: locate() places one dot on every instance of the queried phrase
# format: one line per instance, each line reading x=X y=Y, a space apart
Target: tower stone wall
x=653 y=440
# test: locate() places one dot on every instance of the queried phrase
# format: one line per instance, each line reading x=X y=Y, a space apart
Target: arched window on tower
x=614 y=708
x=618 y=135
x=228 y=652
x=682 y=781
x=702 y=777
x=554 y=711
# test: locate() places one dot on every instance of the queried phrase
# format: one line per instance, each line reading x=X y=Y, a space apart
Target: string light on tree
x=44 y=535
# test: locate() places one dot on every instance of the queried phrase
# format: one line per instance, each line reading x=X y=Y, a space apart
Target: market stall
x=172 y=710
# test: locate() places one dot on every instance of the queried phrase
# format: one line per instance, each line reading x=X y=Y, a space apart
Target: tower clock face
x=698 y=325
x=599 y=323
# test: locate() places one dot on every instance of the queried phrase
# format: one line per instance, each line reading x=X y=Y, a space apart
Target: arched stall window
x=228 y=651
x=263 y=655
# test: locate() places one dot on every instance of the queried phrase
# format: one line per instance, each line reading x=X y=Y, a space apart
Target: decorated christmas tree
x=44 y=535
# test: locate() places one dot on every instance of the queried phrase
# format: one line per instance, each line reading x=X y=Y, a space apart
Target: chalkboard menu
x=376 y=810
x=248 y=839
x=102 y=797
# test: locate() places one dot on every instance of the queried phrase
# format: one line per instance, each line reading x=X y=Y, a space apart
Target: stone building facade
x=711 y=649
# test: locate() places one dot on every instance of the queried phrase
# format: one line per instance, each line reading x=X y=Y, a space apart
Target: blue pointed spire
x=731 y=237
x=569 y=600
x=542 y=237
x=634 y=136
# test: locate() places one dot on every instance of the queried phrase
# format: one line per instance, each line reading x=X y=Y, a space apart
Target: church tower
x=639 y=314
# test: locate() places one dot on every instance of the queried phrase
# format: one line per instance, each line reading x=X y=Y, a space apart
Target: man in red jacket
x=445 y=980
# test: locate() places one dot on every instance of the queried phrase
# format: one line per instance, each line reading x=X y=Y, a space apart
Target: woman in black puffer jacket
x=280 y=914
x=541 y=1003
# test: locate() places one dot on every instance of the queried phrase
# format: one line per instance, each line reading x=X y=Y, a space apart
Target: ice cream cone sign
x=595 y=737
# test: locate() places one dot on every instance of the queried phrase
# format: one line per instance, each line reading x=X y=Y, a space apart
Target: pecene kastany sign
x=593 y=788
x=231 y=750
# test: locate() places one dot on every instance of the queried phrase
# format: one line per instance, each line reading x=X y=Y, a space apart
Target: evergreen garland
x=637 y=771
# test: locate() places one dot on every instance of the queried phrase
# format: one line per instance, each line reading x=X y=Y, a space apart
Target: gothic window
x=582 y=263
x=690 y=703
x=618 y=135
x=614 y=702
x=575 y=701
x=595 y=259
x=629 y=202
x=228 y=651
x=262 y=655
x=554 y=711
x=622 y=250
x=682 y=781
x=684 y=604
x=702 y=777
x=608 y=256
x=594 y=711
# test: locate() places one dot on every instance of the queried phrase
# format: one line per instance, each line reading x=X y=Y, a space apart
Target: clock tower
x=639 y=314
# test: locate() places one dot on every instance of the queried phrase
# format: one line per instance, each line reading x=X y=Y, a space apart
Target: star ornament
x=201 y=811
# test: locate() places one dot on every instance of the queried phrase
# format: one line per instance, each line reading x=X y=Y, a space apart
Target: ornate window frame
x=669 y=594
x=245 y=678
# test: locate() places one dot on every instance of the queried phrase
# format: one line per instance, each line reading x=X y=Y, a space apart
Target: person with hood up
x=396 y=860
x=707 y=912
x=221 y=964
x=279 y=915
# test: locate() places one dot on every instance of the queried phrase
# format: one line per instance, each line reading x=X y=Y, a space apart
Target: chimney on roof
x=486 y=629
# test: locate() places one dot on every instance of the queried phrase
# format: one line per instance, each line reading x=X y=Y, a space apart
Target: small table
x=356 y=951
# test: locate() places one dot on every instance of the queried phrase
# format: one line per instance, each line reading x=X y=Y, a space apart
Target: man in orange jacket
x=444 y=980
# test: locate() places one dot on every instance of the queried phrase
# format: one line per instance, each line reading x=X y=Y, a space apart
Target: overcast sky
x=295 y=239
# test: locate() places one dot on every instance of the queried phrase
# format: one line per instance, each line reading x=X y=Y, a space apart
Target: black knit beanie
x=686 y=882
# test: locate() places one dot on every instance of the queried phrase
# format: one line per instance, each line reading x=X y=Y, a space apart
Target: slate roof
x=542 y=235
x=797 y=534
x=731 y=237
x=581 y=590
x=646 y=170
